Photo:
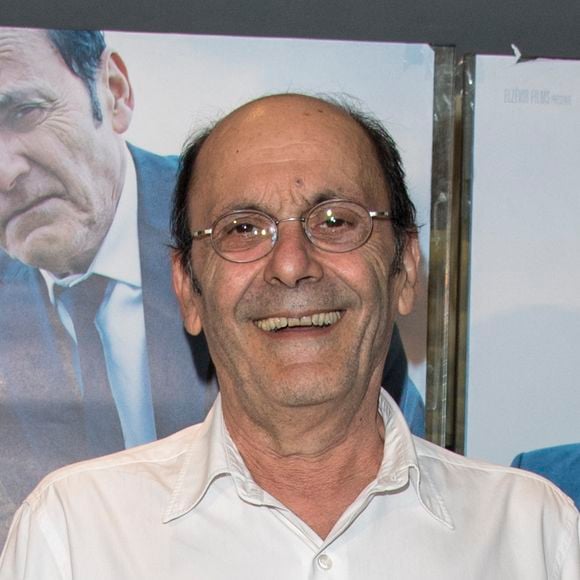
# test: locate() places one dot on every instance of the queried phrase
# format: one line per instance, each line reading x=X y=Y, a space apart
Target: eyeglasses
x=336 y=226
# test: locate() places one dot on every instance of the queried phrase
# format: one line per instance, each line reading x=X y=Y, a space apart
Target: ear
x=119 y=99
x=409 y=275
x=187 y=298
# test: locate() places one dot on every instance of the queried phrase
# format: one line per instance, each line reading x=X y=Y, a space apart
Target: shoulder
x=148 y=162
x=155 y=464
x=156 y=175
x=505 y=512
x=434 y=457
x=466 y=481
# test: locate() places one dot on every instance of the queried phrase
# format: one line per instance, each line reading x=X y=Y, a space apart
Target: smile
x=281 y=322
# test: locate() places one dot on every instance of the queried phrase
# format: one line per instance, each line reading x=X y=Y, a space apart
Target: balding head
x=272 y=128
x=276 y=123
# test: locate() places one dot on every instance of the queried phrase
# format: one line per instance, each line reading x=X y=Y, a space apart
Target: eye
x=25 y=117
x=331 y=221
x=243 y=228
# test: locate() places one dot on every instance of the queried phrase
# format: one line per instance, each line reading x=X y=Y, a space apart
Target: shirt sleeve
x=27 y=553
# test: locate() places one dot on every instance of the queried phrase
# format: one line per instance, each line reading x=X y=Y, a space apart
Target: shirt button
x=325 y=562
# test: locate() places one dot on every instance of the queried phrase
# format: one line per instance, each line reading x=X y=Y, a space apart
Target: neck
x=318 y=464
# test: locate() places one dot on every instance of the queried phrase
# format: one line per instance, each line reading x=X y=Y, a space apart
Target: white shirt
x=186 y=507
x=120 y=320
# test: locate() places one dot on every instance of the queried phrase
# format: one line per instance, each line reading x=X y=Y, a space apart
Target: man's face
x=282 y=156
x=61 y=172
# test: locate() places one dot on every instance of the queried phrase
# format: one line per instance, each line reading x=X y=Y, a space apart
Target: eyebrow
x=325 y=195
x=10 y=99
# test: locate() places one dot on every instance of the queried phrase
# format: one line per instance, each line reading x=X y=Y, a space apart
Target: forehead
x=282 y=150
x=26 y=55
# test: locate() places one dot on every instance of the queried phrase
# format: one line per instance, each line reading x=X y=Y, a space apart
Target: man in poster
x=82 y=212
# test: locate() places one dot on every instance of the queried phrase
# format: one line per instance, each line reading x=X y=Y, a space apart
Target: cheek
x=370 y=273
x=223 y=284
x=84 y=158
x=370 y=279
x=68 y=133
x=69 y=166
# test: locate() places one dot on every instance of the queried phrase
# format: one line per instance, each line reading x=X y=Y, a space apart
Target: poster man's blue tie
x=102 y=426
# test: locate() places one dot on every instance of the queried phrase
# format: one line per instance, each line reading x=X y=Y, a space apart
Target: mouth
x=34 y=204
x=319 y=319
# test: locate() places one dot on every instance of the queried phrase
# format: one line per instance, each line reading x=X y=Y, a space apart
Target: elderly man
x=84 y=221
x=295 y=250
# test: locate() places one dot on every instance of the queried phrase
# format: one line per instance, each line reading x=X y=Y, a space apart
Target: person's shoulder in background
x=397 y=382
x=413 y=407
x=560 y=464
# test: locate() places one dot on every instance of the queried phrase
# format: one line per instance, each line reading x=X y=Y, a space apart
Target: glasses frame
x=303 y=219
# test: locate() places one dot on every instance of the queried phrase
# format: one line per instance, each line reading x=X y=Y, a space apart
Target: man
x=77 y=206
x=295 y=249
x=83 y=221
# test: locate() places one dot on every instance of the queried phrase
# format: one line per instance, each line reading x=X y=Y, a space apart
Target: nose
x=293 y=259
x=12 y=164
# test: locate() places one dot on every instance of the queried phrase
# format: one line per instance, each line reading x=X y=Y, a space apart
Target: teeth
x=318 y=319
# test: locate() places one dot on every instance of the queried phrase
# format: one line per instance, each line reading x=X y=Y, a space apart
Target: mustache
x=266 y=302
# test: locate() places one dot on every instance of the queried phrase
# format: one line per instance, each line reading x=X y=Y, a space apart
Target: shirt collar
x=118 y=256
x=213 y=454
x=401 y=465
x=204 y=462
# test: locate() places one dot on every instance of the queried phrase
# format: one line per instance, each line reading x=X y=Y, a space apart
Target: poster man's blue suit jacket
x=40 y=411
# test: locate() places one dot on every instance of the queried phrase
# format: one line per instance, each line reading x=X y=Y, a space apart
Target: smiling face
x=300 y=326
x=61 y=172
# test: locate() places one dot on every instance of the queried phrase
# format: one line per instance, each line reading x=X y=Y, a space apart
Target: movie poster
x=89 y=136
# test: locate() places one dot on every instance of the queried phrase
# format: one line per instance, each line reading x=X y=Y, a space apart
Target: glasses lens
x=338 y=226
x=243 y=236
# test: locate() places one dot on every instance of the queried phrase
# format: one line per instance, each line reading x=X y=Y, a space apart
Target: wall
x=536 y=27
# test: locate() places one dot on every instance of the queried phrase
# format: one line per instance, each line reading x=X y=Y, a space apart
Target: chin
x=47 y=250
x=306 y=393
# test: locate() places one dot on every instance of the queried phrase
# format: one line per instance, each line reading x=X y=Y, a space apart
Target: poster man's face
x=61 y=172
